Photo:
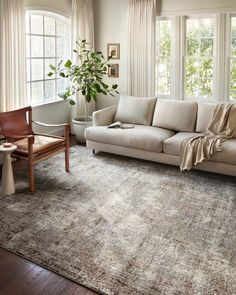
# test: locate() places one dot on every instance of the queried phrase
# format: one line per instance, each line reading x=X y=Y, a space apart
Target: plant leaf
x=68 y=64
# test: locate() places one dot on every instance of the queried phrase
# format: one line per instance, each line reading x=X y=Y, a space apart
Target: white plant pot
x=79 y=125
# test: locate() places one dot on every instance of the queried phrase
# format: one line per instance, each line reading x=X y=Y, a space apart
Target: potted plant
x=86 y=78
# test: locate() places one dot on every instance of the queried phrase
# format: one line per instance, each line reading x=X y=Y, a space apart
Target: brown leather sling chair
x=16 y=127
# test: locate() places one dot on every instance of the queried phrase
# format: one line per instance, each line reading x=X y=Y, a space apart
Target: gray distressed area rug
x=126 y=226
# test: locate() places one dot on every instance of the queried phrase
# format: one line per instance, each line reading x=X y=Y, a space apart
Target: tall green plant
x=86 y=76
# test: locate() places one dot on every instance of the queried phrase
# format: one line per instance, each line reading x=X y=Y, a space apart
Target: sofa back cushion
x=204 y=116
x=175 y=115
x=136 y=110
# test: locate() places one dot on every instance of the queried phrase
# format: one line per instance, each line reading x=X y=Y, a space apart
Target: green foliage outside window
x=198 y=66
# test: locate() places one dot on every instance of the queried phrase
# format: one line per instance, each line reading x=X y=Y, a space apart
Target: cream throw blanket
x=196 y=149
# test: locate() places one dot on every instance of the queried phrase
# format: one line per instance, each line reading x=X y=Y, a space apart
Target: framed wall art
x=113 y=70
x=113 y=50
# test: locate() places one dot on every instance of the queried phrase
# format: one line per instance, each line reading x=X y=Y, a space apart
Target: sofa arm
x=105 y=116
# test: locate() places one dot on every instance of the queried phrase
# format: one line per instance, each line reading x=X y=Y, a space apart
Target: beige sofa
x=160 y=127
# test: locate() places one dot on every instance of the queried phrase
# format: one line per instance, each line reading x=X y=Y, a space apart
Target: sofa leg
x=94 y=152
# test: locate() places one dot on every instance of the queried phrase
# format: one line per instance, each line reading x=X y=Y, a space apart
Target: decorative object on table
x=8 y=186
x=126 y=226
x=7 y=144
x=113 y=70
x=113 y=50
x=86 y=78
x=33 y=147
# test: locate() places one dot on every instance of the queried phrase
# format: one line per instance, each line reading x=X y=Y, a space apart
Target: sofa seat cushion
x=228 y=154
x=136 y=110
x=175 y=115
x=146 y=138
x=172 y=145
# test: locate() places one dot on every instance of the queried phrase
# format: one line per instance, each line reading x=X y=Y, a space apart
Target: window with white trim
x=47 y=42
x=232 y=58
x=199 y=54
x=164 y=60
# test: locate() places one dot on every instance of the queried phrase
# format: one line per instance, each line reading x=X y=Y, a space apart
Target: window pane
x=206 y=47
x=164 y=49
x=37 y=92
x=233 y=89
x=50 y=90
x=44 y=34
x=36 y=46
x=37 y=69
x=191 y=68
x=49 y=46
x=198 y=64
x=165 y=29
x=232 y=78
x=36 y=24
x=28 y=46
x=193 y=47
x=233 y=27
x=49 y=26
x=47 y=63
x=163 y=85
x=206 y=68
x=191 y=87
x=205 y=88
x=61 y=85
x=28 y=70
x=207 y=27
x=233 y=70
x=60 y=28
x=164 y=67
x=233 y=48
x=60 y=47
x=28 y=92
x=192 y=29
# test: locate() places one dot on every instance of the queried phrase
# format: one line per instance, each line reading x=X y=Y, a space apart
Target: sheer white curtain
x=141 y=47
x=82 y=28
x=12 y=55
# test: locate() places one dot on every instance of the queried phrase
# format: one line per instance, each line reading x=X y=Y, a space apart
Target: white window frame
x=56 y=78
x=213 y=97
x=228 y=56
x=172 y=60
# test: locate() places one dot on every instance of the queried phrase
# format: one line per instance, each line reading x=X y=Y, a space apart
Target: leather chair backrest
x=15 y=123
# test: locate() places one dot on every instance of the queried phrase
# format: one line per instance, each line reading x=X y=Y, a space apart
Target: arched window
x=47 y=42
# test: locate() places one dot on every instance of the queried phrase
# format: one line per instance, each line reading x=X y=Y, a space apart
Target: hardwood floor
x=20 y=276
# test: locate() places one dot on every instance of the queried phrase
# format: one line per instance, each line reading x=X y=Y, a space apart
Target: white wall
x=183 y=6
x=60 y=6
x=58 y=112
x=53 y=113
x=110 y=18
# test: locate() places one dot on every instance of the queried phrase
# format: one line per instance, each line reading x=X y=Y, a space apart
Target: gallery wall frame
x=113 y=70
x=113 y=50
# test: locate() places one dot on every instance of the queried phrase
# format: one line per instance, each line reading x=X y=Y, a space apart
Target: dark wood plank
x=18 y=276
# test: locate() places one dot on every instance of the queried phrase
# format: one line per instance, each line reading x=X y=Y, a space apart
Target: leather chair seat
x=40 y=143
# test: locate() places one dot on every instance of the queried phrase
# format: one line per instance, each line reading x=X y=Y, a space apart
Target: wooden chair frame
x=46 y=152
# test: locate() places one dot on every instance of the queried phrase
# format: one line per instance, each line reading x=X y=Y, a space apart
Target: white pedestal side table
x=8 y=186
